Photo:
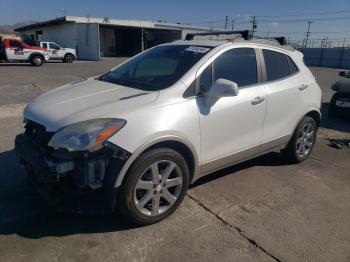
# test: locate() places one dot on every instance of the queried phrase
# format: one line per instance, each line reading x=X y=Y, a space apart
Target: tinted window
x=14 y=43
x=53 y=46
x=237 y=65
x=292 y=66
x=205 y=79
x=277 y=65
x=44 y=45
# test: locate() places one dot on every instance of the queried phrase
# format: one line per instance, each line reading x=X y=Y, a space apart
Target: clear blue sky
x=196 y=12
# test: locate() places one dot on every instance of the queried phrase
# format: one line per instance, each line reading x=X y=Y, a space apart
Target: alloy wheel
x=158 y=188
x=305 y=140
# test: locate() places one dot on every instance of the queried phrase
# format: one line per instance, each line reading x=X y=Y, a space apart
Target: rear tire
x=302 y=142
x=154 y=187
x=36 y=60
x=68 y=58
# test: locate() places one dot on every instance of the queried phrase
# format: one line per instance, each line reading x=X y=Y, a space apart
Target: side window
x=53 y=46
x=292 y=66
x=205 y=79
x=237 y=65
x=14 y=43
x=44 y=45
x=277 y=65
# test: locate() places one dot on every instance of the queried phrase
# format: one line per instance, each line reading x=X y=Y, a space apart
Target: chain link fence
x=337 y=57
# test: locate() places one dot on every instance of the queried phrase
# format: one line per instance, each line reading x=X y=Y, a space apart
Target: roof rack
x=281 y=39
x=245 y=34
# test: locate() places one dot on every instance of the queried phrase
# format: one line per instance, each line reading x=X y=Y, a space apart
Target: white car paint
x=228 y=127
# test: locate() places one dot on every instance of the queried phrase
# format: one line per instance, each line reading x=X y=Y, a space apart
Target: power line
x=304 y=20
x=303 y=14
x=299 y=32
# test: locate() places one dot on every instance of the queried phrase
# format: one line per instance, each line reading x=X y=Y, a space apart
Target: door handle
x=257 y=100
x=303 y=87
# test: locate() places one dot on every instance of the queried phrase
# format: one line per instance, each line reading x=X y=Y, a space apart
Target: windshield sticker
x=197 y=49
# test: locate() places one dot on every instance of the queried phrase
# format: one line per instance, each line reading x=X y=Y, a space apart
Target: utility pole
x=226 y=20
x=64 y=11
x=254 y=25
x=307 y=34
x=233 y=24
x=210 y=27
x=341 y=54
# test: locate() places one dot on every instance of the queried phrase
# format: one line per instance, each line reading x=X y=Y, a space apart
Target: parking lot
x=260 y=210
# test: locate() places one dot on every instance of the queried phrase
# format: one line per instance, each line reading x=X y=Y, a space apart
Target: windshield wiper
x=121 y=82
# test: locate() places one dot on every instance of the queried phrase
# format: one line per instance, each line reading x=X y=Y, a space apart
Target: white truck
x=56 y=52
x=15 y=50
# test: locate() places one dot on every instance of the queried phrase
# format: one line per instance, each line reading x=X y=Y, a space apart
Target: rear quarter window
x=277 y=65
x=292 y=66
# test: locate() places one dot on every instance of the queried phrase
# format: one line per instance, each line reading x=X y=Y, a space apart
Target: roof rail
x=246 y=34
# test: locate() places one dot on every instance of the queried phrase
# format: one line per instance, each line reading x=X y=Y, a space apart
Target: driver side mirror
x=223 y=88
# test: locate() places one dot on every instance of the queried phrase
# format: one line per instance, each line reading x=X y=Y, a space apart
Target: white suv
x=138 y=135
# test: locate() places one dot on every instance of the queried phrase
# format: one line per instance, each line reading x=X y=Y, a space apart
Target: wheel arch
x=36 y=54
x=69 y=53
x=316 y=115
x=181 y=145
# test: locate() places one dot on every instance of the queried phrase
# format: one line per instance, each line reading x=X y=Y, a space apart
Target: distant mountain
x=11 y=28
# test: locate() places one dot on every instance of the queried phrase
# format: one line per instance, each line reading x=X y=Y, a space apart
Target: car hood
x=85 y=100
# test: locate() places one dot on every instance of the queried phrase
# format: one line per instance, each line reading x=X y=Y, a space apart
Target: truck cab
x=56 y=52
x=15 y=50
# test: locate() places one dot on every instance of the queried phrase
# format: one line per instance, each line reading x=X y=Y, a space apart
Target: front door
x=231 y=127
x=55 y=51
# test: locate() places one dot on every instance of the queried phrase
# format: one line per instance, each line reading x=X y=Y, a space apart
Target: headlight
x=86 y=135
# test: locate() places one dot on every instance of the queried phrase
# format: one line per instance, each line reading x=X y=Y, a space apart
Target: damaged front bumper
x=81 y=182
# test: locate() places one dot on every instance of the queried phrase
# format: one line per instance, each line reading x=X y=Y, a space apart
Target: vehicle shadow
x=270 y=159
x=24 y=213
x=15 y=64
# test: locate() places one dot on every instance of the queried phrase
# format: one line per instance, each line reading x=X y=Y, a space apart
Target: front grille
x=38 y=133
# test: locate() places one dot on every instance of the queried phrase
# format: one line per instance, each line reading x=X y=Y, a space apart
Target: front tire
x=36 y=60
x=154 y=187
x=68 y=58
x=302 y=142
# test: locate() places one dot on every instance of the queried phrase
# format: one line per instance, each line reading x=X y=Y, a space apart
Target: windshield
x=157 y=68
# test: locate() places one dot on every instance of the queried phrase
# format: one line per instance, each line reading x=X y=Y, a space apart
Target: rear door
x=287 y=98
